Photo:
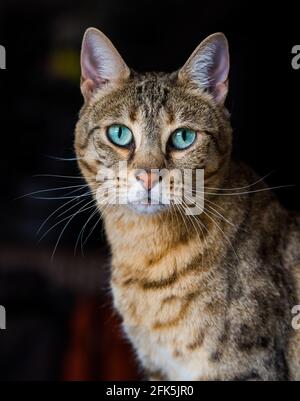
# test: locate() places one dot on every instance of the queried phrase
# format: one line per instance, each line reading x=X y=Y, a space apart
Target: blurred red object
x=97 y=349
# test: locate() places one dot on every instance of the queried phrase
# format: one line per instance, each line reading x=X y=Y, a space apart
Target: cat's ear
x=208 y=66
x=101 y=64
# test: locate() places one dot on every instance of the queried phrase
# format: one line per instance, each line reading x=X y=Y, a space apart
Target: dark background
x=60 y=323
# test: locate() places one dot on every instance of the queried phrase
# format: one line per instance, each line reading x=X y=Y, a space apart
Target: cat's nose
x=148 y=180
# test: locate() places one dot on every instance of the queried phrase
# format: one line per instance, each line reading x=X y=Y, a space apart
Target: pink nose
x=148 y=180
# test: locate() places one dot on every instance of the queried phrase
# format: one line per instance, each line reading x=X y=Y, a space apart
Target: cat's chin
x=146 y=209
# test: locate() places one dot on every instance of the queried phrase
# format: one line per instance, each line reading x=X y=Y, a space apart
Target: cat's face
x=152 y=123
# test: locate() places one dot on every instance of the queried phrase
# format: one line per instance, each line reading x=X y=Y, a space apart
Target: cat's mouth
x=146 y=206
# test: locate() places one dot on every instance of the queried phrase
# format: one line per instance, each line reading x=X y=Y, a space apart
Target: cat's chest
x=169 y=329
x=174 y=362
x=167 y=309
x=159 y=304
x=143 y=307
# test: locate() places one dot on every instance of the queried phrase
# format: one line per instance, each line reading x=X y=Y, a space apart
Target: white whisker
x=52 y=189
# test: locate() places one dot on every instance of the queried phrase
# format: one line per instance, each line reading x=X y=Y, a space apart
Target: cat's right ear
x=101 y=64
x=208 y=67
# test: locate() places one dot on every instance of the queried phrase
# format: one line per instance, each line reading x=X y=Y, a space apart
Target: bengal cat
x=206 y=296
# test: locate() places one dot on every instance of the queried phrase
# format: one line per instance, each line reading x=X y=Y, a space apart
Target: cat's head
x=170 y=121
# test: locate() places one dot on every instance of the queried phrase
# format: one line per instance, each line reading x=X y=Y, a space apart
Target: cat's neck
x=133 y=234
x=127 y=230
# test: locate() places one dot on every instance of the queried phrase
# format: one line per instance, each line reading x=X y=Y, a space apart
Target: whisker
x=59 y=176
x=79 y=202
x=64 y=159
x=65 y=218
x=190 y=217
x=91 y=232
x=67 y=224
x=217 y=214
x=196 y=231
x=80 y=235
x=182 y=216
x=93 y=228
x=215 y=204
x=225 y=236
x=51 y=189
x=243 y=187
x=56 y=210
x=245 y=192
x=217 y=225
x=59 y=197
x=83 y=229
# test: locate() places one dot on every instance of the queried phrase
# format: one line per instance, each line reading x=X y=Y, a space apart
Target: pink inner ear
x=217 y=71
x=100 y=62
x=220 y=74
x=90 y=64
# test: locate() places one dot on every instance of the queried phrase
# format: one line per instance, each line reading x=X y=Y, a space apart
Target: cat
x=206 y=296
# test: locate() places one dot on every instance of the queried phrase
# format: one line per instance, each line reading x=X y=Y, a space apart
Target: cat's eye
x=120 y=135
x=182 y=138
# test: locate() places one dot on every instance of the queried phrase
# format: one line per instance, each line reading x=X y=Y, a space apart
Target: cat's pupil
x=119 y=132
x=184 y=135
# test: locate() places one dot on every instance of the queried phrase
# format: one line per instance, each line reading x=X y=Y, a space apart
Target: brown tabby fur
x=202 y=297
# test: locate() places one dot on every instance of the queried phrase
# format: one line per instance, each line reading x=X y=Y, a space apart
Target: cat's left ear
x=208 y=66
x=101 y=63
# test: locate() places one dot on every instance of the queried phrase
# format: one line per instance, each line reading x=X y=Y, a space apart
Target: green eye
x=182 y=138
x=119 y=135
